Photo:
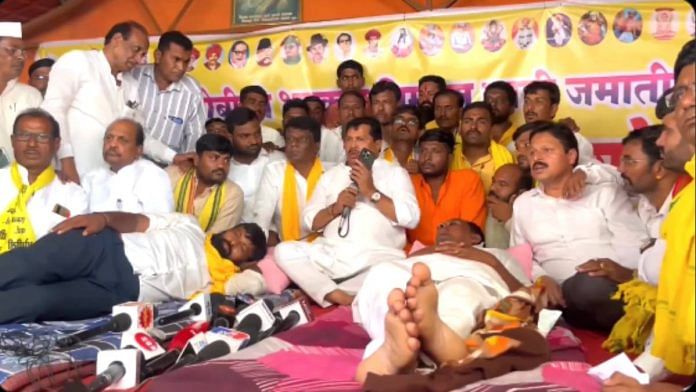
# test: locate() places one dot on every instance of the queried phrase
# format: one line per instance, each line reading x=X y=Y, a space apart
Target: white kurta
x=650 y=262
x=331 y=149
x=141 y=187
x=248 y=177
x=465 y=289
x=269 y=134
x=84 y=98
x=16 y=98
x=41 y=205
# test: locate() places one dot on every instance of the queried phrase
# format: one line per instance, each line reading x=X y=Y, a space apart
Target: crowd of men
x=116 y=186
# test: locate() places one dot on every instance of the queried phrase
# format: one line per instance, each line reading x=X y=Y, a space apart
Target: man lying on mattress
x=89 y=263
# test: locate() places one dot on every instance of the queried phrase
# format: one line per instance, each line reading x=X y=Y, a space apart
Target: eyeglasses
x=410 y=123
x=24 y=137
x=17 y=52
x=674 y=97
x=627 y=161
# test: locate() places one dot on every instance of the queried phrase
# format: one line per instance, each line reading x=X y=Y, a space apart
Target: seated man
x=204 y=190
x=255 y=98
x=406 y=129
x=93 y=262
x=287 y=185
x=443 y=194
x=351 y=105
x=130 y=183
x=468 y=279
x=509 y=182
x=32 y=197
x=564 y=234
x=375 y=206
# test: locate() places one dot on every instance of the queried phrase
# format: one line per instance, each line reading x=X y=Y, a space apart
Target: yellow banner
x=611 y=61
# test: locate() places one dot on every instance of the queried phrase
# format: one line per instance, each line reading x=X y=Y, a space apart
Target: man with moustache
x=503 y=99
x=351 y=105
x=385 y=96
x=256 y=99
x=428 y=86
x=379 y=205
x=509 y=181
x=447 y=108
x=564 y=234
x=406 y=129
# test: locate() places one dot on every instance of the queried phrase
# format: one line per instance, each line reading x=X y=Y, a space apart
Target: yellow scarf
x=185 y=194
x=219 y=268
x=290 y=213
x=674 y=316
x=390 y=157
x=501 y=156
x=16 y=230
x=631 y=332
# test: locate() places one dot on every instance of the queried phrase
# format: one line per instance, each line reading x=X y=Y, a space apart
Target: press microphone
x=118 y=323
x=292 y=314
x=116 y=369
x=113 y=373
x=212 y=351
x=346 y=210
x=197 y=309
x=178 y=343
x=193 y=310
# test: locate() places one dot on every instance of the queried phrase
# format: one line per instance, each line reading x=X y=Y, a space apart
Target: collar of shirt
x=262 y=155
x=10 y=85
x=106 y=67
x=481 y=161
x=149 y=71
x=647 y=210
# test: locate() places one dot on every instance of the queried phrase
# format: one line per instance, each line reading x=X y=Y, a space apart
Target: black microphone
x=160 y=364
x=193 y=310
x=118 y=323
x=216 y=349
x=250 y=325
x=290 y=321
x=346 y=210
x=112 y=374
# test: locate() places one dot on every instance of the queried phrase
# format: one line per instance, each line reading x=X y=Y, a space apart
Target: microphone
x=198 y=309
x=212 y=351
x=113 y=373
x=294 y=313
x=165 y=361
x=346 y=210
x=261 y=308
x=142 y=315
x=193 y=310
x=116 y=369
x=118 y=323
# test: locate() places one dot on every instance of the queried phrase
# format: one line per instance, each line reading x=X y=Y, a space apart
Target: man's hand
x=270 y=147
x=606 y=267
x=500 y=210
x=347 y=198
x=362 y=176
x=412 y=167
x=92 y=224
x=570 y=123
x=184 y=161
x=622 y=383
x=553 y=290
x=575 y=185
x=463 y=252
x=68 y=171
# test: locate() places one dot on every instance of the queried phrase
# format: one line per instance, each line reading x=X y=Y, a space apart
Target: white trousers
x=460 y=300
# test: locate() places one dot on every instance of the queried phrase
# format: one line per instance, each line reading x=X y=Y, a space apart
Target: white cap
x=11 y=29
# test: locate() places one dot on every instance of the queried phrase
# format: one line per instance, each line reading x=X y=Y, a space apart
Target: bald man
x=509 y=181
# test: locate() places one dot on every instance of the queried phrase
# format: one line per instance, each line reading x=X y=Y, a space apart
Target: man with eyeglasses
x=38 y=74
x=33 y=199
x=406 y=129
x=14 y=96
x=88 y=90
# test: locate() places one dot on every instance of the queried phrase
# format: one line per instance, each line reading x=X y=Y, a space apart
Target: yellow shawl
x=219 y=268
x=674 y=316
x=16 y=230
x=185 y=194
x=291 y=227
x=501 y=156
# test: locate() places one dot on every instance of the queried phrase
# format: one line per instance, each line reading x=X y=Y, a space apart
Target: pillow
x=523 y=254
x=276 y=280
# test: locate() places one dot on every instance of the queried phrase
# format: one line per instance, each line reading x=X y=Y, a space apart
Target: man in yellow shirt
x=503 y=99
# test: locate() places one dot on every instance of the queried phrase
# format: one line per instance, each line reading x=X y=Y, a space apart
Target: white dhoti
x=465 y=289
x=321 y=267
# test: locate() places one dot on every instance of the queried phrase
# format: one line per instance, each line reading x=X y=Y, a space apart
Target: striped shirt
x=175 y=116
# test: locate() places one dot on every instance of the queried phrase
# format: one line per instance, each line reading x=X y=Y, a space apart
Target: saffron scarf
x=674 y=311
x=500 y=155
x=219 y=268
x=185 y=194
x=291 y=227
x=16 y=230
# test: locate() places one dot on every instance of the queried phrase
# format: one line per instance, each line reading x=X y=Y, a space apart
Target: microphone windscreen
x=251 y=325
x=120 y=322
x=196 y=308
x=290 y=321
x=213 y=350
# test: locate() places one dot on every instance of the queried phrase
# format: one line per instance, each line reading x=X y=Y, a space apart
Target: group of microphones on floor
x=217 y=326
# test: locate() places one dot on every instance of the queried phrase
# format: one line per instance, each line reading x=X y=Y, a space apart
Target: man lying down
x=91 y=262
x=453 y=289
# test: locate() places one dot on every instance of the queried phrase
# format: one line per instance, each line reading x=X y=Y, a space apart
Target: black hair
x=213 y=142
x=686 y=57
x=344 y=34
x=647 y=136
x=384 y=86
x=528 y=127
x=437 y=79
x=349 y=64
x=662 y=108
x=438 y=135
x=314 y=98
x=125 y=29
x=563 y=134
x=475 y=229
x=257 y=238
x=478 y=105
x=45 y=62
x=354 y=94
x=451 y=93
x=410 y=109
x=139 y=131
x=38 y=113
x=295 y=103
x=239 y=116
x=254 y=89
x=305 y=123
x=375 y=127
x=504 y=87
x=174 y=37
x=549 y=87
x=214 y=120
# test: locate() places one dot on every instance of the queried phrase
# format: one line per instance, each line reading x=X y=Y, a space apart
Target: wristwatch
x=375 y=197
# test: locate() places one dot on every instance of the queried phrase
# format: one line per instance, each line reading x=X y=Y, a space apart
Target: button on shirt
x=566 y=233
x=41 y=205
x=175 y=116
x=248 y=177
x=169 y=257
x=140 y=187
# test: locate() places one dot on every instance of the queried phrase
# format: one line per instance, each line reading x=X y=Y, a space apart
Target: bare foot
x=438 y=339
x=400 y=348
x=339 y=297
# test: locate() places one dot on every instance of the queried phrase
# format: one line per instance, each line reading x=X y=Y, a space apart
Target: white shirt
x=41 y=205
x=269 y=134
x=566 y=233
x=84 y=98
x=331 y=148
x=248 y=177
x=16 y=98
x=169 y=257
x=269 y=198
x=138 y=188
x=369 y=228
x=650 y=262
x=651 y=217
x=496 y=233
